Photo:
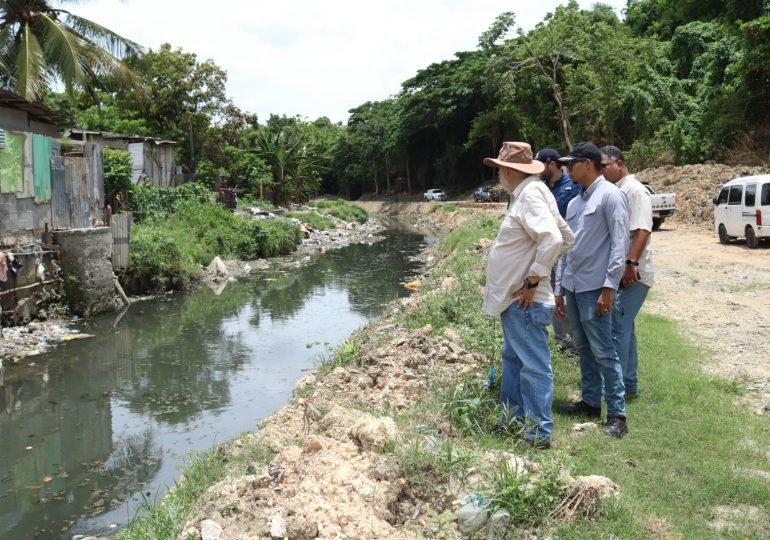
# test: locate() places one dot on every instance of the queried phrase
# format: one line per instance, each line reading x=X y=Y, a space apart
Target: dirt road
x=721 y=295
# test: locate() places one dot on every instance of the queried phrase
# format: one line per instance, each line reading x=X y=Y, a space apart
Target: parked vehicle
x=434 y=195
x=663 y=206
x=481 y=195
x=742 y=209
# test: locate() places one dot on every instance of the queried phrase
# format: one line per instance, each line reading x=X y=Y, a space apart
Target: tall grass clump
x=343 y=210
x=148 y=202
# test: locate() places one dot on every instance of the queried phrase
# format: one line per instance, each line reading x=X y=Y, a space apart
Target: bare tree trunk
x=374 y=177
x=387 y=174
x=408 y=177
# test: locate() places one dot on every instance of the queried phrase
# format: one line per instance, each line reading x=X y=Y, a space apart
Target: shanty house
x=152 y=159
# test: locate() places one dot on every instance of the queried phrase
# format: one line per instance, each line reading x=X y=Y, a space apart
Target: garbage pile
x=35 y=338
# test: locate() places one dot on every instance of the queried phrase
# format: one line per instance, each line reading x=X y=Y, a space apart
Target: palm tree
x=41 y=44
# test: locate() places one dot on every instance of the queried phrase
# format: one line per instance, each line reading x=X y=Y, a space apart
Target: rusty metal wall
x=93 y=153
x=120 y=226
x=76 y=184
x=60 y=203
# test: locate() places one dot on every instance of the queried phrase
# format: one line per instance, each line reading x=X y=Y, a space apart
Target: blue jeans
x=628 y=302
x=598 y=360
x=527 y=386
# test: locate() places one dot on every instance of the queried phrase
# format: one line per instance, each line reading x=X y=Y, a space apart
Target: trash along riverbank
x=392 y=437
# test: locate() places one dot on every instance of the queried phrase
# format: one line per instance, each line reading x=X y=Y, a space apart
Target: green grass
x=342 y=209
x=164 y=518
x=688 y=438
x=449 y=208
x=314 y=219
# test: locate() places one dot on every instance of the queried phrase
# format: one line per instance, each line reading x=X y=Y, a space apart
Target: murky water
x=99 y=423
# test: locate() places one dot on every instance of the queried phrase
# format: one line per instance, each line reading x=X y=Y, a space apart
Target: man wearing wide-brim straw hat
x=532 y=237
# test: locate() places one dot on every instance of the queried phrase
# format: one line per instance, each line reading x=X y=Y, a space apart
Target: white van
x=743 y=209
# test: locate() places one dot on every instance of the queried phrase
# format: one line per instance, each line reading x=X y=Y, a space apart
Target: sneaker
x=616 y=426
x=581 y=408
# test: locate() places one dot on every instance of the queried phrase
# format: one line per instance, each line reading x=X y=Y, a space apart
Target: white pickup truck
x=663 y=206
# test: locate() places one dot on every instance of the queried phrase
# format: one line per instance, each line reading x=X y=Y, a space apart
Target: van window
x=736 y=194
x=765 y=201
x=723 y=195
x=751 y=191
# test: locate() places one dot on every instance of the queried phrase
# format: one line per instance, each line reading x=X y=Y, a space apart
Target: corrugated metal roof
x=37 y=111
x=107 y=135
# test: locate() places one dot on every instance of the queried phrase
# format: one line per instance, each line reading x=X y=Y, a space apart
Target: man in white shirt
x=639 y=272
x=532 y=237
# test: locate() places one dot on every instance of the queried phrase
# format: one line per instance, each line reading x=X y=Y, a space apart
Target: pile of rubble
x=336 y=471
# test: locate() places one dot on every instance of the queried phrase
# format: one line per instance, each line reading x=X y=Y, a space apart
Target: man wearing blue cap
x=588 y=277
x=563 y=190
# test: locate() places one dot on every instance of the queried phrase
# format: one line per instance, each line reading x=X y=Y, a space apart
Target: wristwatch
x=529 y=285
x=632 y=263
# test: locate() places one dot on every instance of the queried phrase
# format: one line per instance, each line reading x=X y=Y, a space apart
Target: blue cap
x=547 y=154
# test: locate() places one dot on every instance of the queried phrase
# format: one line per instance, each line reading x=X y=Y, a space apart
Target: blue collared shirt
x=599 y=220
x=564 y=191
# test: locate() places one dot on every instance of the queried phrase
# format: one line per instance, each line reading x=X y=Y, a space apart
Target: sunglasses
x=569 y=164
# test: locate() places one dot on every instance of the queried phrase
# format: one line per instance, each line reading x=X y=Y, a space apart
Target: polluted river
x=98 y=425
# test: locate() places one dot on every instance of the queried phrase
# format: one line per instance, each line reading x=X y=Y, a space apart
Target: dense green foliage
x=180 y=230
x=674 y=81
x=117 y=171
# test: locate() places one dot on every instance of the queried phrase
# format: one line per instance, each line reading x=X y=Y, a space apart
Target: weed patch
x=342 y=209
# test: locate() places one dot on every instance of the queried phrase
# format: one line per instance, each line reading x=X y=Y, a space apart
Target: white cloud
x=313 y=58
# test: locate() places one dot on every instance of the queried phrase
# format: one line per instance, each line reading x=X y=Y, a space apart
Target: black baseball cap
x=547 y=154
x=583 y=150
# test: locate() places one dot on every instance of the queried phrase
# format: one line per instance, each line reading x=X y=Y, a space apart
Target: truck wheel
x=723 y=238
x=657 y=222
x=751 y=238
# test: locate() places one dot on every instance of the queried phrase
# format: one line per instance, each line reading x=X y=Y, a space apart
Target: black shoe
x=581 y=408
x=616 y=426
x=512 y=425
x=538 y=444
x=632 y=396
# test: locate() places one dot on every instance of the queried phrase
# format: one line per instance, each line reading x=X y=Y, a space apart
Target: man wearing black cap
x=563 y=190
x=587 y=278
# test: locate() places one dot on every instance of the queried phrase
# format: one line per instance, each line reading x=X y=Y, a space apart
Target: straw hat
x=517 y=156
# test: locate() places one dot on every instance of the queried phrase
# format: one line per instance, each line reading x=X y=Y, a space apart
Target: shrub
x=168 y=250
x=148 y=202
x=117 y=171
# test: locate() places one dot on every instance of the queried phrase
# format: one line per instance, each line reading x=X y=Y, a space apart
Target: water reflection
x=99 y=422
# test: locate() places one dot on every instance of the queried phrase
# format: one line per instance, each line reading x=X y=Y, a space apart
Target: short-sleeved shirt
x=532 y=237
x=564 y=190
x=597 y=259
x=640 y=217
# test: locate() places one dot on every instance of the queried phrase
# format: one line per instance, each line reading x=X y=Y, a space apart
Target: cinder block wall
x=87 y=270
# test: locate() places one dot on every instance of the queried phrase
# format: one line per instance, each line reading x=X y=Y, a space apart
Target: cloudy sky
x=313 y=57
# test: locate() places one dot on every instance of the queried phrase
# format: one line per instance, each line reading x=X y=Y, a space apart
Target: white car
x=742 y=209
x=434 y=195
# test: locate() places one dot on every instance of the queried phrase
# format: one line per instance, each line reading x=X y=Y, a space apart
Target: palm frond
x=31 y=71
x=6 y=46
x=105 y=38
x=102 y=64
x=65 y=51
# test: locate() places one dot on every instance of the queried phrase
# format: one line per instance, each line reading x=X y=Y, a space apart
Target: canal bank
x=107 y=421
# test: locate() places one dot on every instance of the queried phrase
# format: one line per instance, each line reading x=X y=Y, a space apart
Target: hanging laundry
x=40 y=270
x=11 y=158
x=2 y=138
x=3 y=267
x=41 y=157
